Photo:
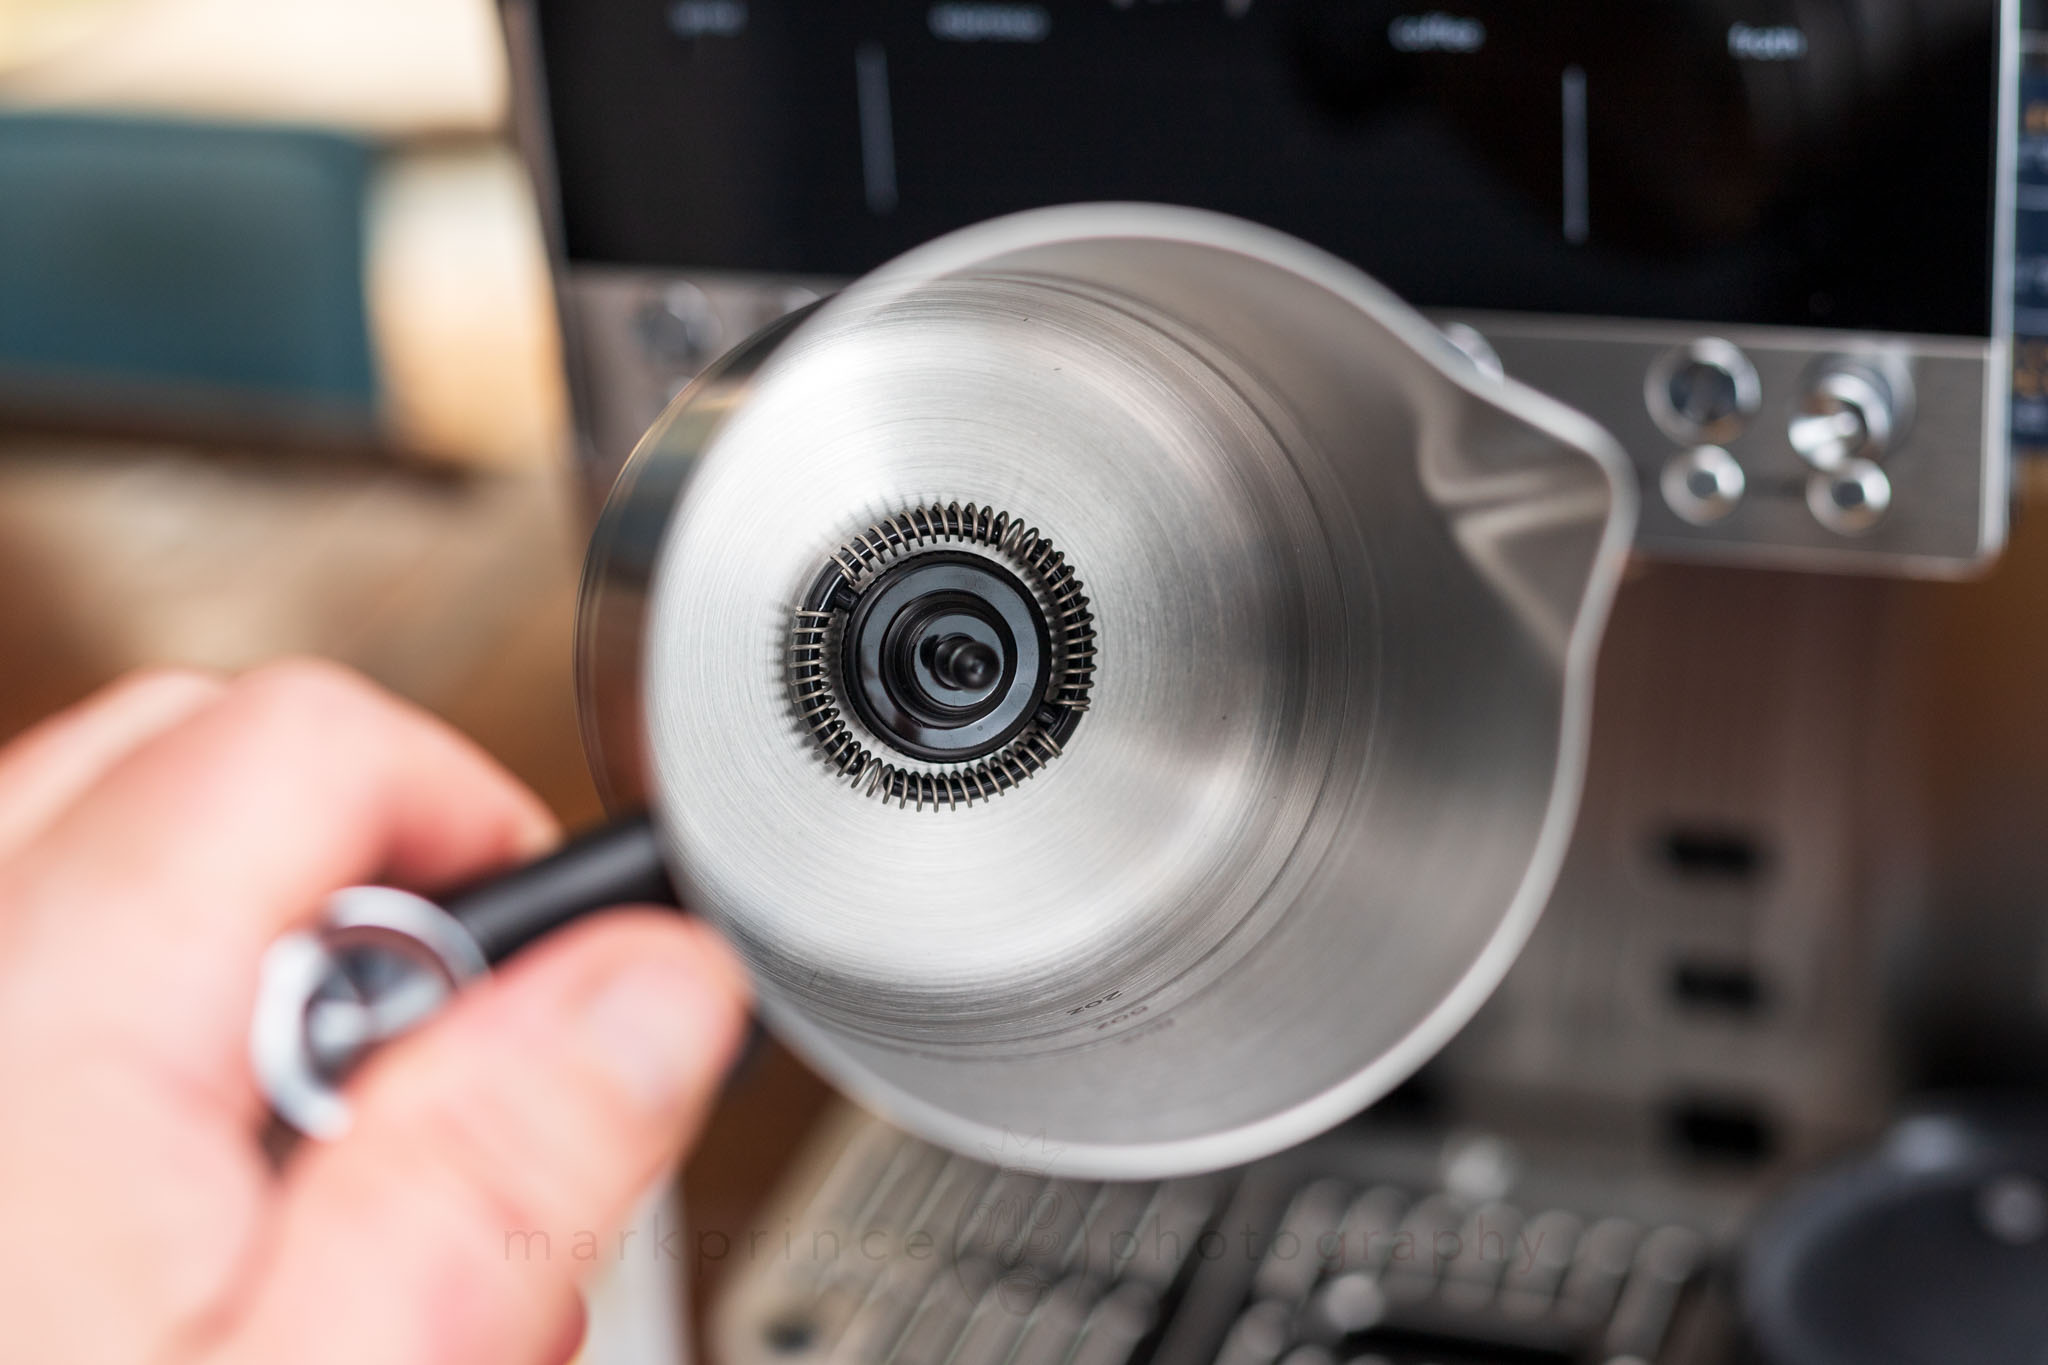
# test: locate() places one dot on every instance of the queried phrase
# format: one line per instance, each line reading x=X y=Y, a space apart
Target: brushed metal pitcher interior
x=1301 y=615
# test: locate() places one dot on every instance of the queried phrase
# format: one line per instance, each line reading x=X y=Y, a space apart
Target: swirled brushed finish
x=1346 y=591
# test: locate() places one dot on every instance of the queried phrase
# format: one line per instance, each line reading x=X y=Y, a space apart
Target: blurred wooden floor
x=458 y=592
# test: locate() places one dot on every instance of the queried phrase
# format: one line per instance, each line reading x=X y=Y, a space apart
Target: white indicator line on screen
x=1575 y=224
x=877 y=136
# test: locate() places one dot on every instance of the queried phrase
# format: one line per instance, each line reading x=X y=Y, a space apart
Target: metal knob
x=1848 y=412
x=381 y=961
x=1702 y=485
x=1851 y=499
x=1705 y=390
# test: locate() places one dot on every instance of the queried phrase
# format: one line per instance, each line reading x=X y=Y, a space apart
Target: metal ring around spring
x=1072 y=627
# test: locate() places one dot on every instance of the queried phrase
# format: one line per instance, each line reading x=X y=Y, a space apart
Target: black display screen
x=1806 y=162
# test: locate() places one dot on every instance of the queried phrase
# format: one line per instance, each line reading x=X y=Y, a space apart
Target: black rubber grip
x=616 y=864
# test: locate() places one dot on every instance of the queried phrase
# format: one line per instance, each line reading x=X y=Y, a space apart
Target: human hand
x=153 y=841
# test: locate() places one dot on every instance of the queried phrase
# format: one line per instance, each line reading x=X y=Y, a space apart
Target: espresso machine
x=1791 y=973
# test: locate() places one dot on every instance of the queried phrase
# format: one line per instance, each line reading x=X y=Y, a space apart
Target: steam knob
x=1850 y=499
x=1702 y=485
x=1705 y=390
x=1848 y=413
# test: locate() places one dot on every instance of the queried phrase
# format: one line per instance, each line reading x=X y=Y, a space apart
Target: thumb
x=495 y=1155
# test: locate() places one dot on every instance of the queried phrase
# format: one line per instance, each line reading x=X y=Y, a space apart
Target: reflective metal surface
x=1374 y=1247
x=899 y=1254
x=1947 y=463
x=1346 y=589
x=1931 y=1246
x=379 y=962
x=611 y=611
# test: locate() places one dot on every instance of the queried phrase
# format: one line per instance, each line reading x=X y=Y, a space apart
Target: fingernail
x=649 y=1034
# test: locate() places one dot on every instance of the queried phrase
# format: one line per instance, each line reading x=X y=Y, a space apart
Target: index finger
x=46 y=768
x=144 y=910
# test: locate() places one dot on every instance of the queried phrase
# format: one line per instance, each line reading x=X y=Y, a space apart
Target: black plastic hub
x=946 y=656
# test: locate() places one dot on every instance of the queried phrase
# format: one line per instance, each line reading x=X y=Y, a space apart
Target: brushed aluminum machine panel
x=643 y=334
x=1947 y=470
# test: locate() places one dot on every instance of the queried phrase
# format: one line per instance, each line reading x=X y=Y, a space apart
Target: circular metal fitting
x=1847 y=413
x=1702 y=485
x=1849 y=500
x=1705 y=390
x=379 y=962
x=977 y=659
